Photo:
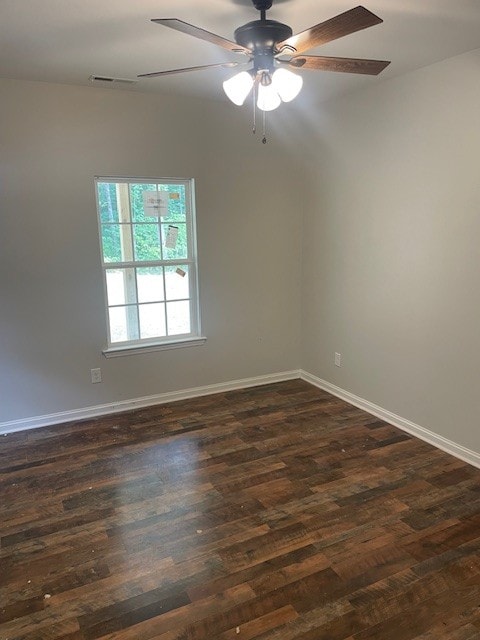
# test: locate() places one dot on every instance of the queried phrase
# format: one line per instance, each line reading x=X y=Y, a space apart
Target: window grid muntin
x=136 y=304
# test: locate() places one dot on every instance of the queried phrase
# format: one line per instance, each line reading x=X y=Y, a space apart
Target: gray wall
x=388 y=179
x=53 y=140
x=392 y=247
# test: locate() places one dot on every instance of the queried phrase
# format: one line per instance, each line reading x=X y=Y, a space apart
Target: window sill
x=131 y=350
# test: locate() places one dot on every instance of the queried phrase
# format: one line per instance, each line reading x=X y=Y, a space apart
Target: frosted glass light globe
x=238 y=87
x=268 y=98
x=287 y=84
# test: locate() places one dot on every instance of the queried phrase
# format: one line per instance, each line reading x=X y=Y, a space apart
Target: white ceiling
x=68 y=40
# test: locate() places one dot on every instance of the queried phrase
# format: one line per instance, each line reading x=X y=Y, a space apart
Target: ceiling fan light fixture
x=287 y=84
x=238 y=87
x=265 y=42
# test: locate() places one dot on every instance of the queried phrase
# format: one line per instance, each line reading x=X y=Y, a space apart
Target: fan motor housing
x=262 y=35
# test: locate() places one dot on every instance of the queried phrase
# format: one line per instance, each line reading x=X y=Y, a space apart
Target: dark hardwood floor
x=278 y=512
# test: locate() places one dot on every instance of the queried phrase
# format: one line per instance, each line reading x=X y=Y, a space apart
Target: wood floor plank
x=277 y=513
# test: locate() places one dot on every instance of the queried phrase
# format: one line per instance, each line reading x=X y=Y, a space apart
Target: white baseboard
x=457 y=450
x=147 y=401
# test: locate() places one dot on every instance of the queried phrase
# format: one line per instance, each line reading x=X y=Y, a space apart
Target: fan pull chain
x=264 y=139
x=254 y=94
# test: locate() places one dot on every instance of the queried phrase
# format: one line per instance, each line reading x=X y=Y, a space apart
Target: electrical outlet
x=338 y=359
x=96 y=375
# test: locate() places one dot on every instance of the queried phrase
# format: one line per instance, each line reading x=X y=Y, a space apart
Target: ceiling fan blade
x=155 y=74
x=345 y=65
x=342 y=25
x=197 y=32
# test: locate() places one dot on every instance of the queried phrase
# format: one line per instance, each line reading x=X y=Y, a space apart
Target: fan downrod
x=263 y=6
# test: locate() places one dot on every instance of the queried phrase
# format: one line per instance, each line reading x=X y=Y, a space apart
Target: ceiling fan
x=271 y=48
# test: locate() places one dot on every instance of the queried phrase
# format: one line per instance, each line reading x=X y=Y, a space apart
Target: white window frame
x=142 y=345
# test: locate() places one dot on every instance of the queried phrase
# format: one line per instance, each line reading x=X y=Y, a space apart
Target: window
x=147 y=240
